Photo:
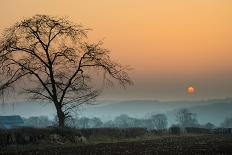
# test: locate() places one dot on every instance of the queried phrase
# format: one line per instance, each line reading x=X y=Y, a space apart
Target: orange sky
x=170 y=44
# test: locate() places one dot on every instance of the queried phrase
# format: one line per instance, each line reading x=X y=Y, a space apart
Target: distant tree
x=31 y=121
x=109 y=124
x=159 y=121
x=147 y=123
x=53 y=57
x=186 y=118
x=135 y=122
x=209 y=125
x=95 y=123
x=123 y=121
x=227 y=123
x=83 y=122
x=39 y=122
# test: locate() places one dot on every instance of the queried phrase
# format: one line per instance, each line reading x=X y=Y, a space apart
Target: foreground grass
x=168 y=144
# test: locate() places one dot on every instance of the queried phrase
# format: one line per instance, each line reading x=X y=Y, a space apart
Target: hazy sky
x=170 y=44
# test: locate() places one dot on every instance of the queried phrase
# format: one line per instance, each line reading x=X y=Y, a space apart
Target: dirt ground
x=188 y=144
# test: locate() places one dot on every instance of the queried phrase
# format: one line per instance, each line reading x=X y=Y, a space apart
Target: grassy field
x=184 y=144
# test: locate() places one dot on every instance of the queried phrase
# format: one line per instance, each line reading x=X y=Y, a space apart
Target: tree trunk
x=61 y=116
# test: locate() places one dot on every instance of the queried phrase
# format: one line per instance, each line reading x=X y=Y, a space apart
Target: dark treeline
x=184 y=118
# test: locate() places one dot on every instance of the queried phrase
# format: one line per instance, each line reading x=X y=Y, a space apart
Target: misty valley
x=214 y=111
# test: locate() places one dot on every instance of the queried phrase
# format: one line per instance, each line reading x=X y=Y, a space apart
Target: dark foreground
x=188 y=144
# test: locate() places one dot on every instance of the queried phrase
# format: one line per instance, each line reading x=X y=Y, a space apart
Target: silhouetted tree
x=186 y=118
x=53 y=57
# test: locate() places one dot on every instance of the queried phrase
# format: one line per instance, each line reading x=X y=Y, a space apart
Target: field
x=182 y=144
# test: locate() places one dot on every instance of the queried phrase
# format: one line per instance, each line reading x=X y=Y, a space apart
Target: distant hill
x=27 y=109
x=207 y=110
x=215 y=112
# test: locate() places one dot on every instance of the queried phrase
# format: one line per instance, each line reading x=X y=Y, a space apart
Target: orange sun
x=190 y=89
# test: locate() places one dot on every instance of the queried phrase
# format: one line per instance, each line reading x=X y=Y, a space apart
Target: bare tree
x=55 y=59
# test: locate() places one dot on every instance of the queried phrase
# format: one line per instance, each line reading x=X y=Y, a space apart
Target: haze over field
x=214 y=111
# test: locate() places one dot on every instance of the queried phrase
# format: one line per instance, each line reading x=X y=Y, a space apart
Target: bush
x=23 y=136
x=197 y=130
x=113 y=132
x=175 y=130
x=222 y=131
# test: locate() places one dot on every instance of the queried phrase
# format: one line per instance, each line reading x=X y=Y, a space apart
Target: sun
x=191 y=90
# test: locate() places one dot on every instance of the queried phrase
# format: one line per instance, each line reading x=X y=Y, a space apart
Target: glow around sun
x=191 y=90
